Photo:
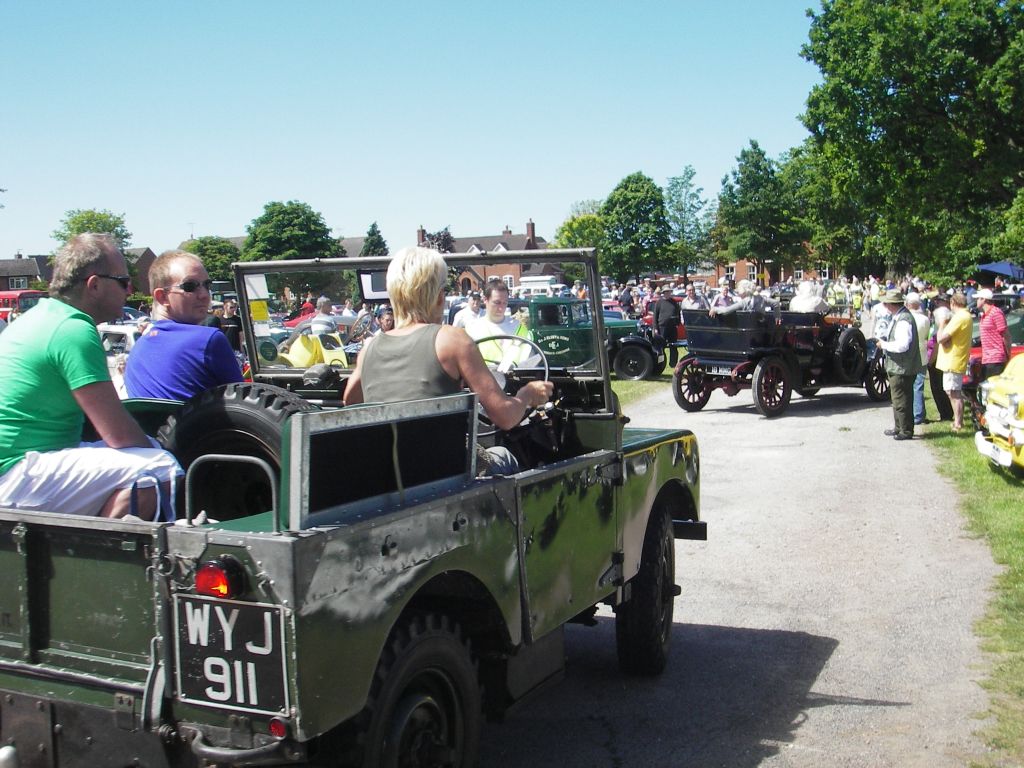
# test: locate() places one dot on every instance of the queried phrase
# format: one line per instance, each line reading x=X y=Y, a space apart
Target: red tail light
x=278 y=728
x=223 y=577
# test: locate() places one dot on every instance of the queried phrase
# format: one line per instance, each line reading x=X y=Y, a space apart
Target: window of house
x=798 y=274
x=752 y=272
x=730 y=272
x=823 y=272
x=509 y=281
x=17 y=283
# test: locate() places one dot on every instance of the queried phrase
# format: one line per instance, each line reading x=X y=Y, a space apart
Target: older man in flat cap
x=902 y=363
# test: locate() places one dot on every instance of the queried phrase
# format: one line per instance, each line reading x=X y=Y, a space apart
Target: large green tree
x=583 y=207
x=80 y=221
x=760 y=221
x=216 y=253
x=636 y=230
x=580 y=230
x=687 y=224
x=291 y=230
x=374 y=244
x=1009 y=245
x=583 y=231
x=918 y=118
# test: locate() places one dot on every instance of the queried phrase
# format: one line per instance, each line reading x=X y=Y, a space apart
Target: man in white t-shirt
x=470 y=312
x=495 y=323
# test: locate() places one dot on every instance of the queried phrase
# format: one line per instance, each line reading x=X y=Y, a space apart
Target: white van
x=538 y=286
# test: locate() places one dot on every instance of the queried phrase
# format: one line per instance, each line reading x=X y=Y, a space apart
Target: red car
x=306 y=312
x=648 y=320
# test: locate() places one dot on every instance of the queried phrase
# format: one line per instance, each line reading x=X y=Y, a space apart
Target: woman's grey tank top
x=405 y=368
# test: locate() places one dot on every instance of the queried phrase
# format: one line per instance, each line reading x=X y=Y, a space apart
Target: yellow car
x=308 y=349
x=1002 y=397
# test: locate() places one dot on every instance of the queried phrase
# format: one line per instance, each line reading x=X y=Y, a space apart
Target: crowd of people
x=925 y=331
x=55 y=375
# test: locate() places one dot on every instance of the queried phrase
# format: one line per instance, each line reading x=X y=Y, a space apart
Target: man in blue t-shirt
x=177 y=357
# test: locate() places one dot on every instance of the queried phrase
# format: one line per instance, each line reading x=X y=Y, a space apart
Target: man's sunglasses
x=191 y=286
x=124 y=281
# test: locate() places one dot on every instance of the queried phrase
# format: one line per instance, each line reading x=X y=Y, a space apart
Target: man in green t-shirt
x=54 y=375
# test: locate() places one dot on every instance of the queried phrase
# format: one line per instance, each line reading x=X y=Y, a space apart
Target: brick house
x=747 y=270
x=17 y=273
x=511 y=274
x=139 y=261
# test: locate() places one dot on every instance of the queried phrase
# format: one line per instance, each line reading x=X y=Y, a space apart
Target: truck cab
x=563 y=327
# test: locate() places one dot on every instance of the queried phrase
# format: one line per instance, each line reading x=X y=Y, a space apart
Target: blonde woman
x=422 y=358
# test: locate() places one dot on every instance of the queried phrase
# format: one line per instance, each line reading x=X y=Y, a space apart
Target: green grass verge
x=992 y=500
x=631 y=391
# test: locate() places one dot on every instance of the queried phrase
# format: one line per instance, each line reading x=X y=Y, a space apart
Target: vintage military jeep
x=804 y=351
x=365 y=599
x=563 y=328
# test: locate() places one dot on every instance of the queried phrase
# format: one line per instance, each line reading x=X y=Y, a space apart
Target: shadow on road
x=730 y=696
x=828 y=401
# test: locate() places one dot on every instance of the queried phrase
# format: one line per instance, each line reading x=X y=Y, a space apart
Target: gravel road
x=826 y=622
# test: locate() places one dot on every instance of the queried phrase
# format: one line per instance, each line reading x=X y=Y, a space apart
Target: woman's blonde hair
x=415 y=279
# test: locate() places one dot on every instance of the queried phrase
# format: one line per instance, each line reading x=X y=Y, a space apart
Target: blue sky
x=188 y=117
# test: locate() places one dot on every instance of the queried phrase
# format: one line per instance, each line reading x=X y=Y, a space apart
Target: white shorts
x=952 y=381
x=78 y=481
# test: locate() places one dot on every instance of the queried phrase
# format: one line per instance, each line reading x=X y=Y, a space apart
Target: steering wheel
x=509 y=362
x=359 y=329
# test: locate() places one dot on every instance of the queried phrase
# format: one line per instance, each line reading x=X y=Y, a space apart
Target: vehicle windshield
x=28 y=301
x=280 y=298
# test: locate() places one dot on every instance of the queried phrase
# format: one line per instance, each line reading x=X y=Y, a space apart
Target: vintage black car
x=803 y=351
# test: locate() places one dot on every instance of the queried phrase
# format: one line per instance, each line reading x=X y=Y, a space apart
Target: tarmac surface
x=827 y=621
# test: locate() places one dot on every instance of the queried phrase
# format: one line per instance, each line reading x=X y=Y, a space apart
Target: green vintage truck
x=363 y=598
x=563 y=328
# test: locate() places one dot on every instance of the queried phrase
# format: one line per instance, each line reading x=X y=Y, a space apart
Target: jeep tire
x=242 y=419
x=424 y=707
x=643 y=624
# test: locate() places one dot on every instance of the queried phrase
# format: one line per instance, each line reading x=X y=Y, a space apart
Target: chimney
x=17 y=254
x=421 y=235
x=506 y=232
x=531 y=234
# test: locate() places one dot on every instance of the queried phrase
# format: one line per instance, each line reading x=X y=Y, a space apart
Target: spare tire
x=241 y=419
x=851 y=356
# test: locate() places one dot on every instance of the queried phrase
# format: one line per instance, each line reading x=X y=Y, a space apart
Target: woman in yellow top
x=954 y=351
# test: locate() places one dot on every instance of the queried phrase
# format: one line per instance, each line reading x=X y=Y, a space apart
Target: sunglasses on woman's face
x=191 y=286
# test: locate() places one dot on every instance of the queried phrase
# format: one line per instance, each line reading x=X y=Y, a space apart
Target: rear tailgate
x=78 y=600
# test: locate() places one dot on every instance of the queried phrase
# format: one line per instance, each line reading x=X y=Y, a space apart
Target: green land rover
x=342 y=589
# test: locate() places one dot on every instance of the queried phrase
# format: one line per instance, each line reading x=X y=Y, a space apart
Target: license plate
x=991 y=450
x=720 y=370
x=230 y=654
